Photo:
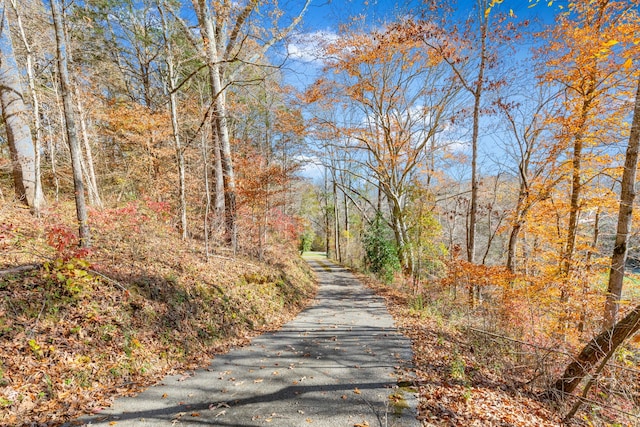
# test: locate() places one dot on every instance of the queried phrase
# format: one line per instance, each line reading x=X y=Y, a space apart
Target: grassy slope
x=73 y=335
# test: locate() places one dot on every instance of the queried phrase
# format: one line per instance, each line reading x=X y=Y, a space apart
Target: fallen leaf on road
x=362 y=424
x=258 y=380
x=218 y=405
x=184 y=377
x=357 y=390
x=178 y=415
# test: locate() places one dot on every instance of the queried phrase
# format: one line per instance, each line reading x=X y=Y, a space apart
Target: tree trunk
x=220 y=118
x=347 y=250
x=599 y=347
x=511 y=248
x=327 y=219
x=218 y=178
x=336 y=221
x=405 y=251
x=173 y=110
x=207 y=193
x=625 y=214
x=179 y=156
x=477 y=97
x=72 y=137
x=92 y=183
x=37 y=128
x=572 y=227
x=15 y=114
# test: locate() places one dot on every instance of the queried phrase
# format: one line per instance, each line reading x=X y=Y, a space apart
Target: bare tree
x=16 y=117
x=224 y=33
x=173 y=110
x=70 y=121
x=398 y=108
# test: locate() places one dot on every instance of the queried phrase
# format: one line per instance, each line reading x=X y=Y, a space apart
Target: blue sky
x=324 y=17
x=328 y=14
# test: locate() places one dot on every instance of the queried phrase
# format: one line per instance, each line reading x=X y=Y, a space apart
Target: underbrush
x=489 y=363
x=78 y=328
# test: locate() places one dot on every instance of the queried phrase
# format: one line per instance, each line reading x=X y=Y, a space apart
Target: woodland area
x=159 y=169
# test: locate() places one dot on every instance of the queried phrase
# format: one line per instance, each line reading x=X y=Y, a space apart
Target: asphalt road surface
x=336 y=364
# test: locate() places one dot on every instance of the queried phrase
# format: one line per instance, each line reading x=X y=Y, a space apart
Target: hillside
x=77 y=329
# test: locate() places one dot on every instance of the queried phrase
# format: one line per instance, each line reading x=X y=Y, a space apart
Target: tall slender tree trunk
x=336 y=221
x=175 y=128
x=512 y=246
x=16 y=117
x=72 y=136
x=218 y=178
x=566 y=261
x=207 y=193
x=208 y=37
x=477 y=98
x=35 y=103
x=327 y=218
x=173 y=107
x=574 y=208
x=625 y=215
x=86 y=158
x=588 y=96
x=92 y=183
x=347 y=231
x=220 y=119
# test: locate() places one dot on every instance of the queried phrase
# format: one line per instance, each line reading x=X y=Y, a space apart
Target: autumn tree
x=226 y=31
x=401 y=107
x=584 y=60
x=267 y=134
x=172 y=83
x=469 y=54
x=527 y=145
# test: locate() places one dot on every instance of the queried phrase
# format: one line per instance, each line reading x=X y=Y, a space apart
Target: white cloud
x=309 y=47
x=455 y=146
x=312 y=168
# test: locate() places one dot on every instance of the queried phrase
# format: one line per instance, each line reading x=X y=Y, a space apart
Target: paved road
x=336 y=364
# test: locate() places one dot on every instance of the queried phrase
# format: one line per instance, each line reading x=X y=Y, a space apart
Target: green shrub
x=381 y=254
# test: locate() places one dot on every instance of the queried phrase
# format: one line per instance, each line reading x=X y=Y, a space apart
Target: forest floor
x=455 y=387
